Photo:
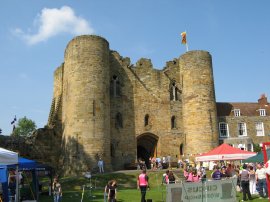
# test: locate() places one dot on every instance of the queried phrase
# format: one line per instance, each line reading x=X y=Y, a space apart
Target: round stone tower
x=199 y=103
x=86 y=104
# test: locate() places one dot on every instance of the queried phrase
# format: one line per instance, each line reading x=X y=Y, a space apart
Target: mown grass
x=127 y=191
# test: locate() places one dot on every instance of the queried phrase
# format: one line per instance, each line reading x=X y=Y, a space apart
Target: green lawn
x=72 y=188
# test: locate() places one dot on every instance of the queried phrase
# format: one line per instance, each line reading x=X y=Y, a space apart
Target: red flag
x=184 y=38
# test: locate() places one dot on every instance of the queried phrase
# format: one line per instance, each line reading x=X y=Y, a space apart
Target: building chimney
x=263 y=100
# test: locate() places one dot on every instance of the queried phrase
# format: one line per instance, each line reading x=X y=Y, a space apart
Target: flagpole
x=186 y=42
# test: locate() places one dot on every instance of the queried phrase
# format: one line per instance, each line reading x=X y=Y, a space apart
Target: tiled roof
x=246 y=109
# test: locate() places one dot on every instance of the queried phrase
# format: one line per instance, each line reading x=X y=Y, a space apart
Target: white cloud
x=52 y=22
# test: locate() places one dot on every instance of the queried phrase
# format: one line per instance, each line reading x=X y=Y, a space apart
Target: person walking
x=112 y=191
x=143 y=184
x=261 y=180
x=252 y=180
x=57 y=190
x=244 y=179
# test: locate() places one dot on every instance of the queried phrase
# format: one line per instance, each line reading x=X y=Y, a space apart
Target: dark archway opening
x=181 y=149
x=143 y=154
x=147 y=147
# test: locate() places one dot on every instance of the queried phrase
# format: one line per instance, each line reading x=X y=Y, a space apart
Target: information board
x=208 y=191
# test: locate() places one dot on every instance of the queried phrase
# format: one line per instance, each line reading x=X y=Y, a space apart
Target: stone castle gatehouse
x=103 y=106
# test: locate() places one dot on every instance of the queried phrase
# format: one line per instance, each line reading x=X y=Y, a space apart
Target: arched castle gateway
x=105 y=106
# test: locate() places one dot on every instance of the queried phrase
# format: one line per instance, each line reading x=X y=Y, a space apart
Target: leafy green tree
x=25 y=127
x=257 y=148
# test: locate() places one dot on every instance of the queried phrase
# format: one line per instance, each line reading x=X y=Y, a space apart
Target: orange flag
x=184 y=37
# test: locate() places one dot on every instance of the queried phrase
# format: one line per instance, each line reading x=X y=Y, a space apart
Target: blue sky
x=34 y=34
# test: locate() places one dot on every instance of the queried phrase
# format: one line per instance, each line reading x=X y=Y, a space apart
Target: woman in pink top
x=142 y=184
x=190 y=176
x=185 y=172
x=195 y=176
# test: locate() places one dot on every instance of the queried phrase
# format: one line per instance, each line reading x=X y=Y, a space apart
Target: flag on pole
x=184 y=38
x=14 y=120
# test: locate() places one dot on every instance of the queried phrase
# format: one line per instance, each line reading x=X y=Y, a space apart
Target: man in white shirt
x=261 y=180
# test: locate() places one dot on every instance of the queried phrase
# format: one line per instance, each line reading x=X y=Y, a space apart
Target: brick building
x=244 y=124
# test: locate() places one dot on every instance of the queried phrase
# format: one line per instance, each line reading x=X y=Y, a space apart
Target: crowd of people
x=251 y=179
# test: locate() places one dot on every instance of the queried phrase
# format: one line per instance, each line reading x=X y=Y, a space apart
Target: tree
x=25 y=127
x=257 y=148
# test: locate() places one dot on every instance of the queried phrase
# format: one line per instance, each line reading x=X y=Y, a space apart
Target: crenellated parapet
x=56 y=110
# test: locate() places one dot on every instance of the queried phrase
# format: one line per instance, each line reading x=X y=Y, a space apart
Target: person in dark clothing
x=171 y=178
x=216 y=175
x=223 y=173
x=112 y=191
x=244 y=178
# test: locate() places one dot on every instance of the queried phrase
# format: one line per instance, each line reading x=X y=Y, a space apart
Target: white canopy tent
x=8 y=157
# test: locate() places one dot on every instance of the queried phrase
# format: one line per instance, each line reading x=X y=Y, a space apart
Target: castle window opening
x=237 y=112
x=118 y=120
x=262 y=112
x=146 y=120
x=115 y=86
x=173 y=122
x=259 y=129
x=242 y=129
x=173 y=91
x=94 y=108
x=181 y=149
x=112 y=150
x=223 y=130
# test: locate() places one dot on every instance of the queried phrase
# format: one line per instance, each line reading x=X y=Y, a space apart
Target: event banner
x=208 y=191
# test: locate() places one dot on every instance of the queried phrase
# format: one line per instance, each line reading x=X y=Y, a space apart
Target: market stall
x=225 y=152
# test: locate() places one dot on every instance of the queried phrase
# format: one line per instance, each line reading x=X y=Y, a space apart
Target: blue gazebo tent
x=23 y=165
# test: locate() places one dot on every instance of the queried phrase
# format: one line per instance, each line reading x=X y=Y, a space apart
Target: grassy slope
x=127 y=192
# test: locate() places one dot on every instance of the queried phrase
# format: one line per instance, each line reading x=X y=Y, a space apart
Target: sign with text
x=210 y=191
